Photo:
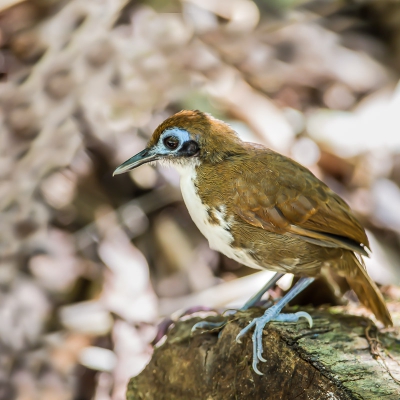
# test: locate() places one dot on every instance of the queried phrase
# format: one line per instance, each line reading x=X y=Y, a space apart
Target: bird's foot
x=272 y=314
x=166 y=323
x=211 y=326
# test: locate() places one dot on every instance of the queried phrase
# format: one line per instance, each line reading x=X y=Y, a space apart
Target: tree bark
x=332 y=360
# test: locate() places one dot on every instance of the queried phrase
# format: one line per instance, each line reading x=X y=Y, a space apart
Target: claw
x=307 y=316
x=245 y=330
x=294 y=317
x=260 y=357
x=207 y=325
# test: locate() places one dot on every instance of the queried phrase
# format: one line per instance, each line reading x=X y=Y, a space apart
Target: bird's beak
x=143 y=157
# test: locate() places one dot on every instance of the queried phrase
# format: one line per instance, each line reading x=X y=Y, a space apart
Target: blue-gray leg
x=249 y=303
x=257 y=297
x=274 y=314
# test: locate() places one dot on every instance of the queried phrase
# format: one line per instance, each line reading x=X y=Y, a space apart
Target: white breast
x=219 y=238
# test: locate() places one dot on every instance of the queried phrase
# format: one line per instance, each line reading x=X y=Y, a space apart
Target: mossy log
x=332 y=360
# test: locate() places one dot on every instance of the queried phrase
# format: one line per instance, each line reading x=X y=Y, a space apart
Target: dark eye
x=171 y=142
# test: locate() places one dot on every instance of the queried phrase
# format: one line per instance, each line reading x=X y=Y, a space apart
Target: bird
x=264 y=210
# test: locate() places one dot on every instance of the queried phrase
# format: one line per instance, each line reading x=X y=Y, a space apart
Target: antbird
x=263 y=210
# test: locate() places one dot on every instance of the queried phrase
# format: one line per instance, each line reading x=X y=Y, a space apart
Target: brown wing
x=289 y=199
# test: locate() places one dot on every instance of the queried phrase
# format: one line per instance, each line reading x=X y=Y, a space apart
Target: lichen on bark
x=331 y=360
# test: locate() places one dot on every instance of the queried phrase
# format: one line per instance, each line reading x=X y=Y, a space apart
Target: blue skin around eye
x=179 y=133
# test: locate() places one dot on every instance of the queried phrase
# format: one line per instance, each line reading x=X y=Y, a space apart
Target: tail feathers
x=368 y=293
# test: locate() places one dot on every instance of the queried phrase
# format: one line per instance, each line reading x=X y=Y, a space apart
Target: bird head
x=186 y=138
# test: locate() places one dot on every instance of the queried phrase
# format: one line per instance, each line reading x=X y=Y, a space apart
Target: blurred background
x=90 y=263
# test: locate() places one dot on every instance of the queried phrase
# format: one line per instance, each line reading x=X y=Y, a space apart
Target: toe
x=207 y=325
x=258 y=332
x=255 y=358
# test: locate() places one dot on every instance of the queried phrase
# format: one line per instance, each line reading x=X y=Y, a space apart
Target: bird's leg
x=257 y=297
x=207 y=325
x=274 y=314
